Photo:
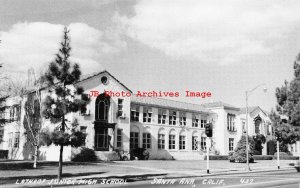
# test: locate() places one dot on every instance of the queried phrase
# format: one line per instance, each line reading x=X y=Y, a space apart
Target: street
x=288 y=178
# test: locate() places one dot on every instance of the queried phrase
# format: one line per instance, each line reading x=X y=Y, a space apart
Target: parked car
x=139 y=153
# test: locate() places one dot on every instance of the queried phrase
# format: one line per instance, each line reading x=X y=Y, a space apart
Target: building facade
x=168 y=129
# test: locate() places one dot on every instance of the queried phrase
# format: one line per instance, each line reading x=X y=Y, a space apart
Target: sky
x=225 y=47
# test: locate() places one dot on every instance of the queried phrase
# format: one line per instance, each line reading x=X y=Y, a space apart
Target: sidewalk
x=136 y=170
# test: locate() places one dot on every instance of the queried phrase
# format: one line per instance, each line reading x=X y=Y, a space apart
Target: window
x=119 y=137
x=171 y=141
x=17 y=140
x=203 y=143
x=84 y=110
x=15 y=113
x=120 y=107
x=244 y=126
x=231 y=140
x=134 y=140
x=146 y=140
x=230 y=122
x=134 y=114
x=195 y=121
x=195 y=143
x=102 y=107
x=182 y=118
x=83 y=130
x=172 y=118
x=102 y=139
x=182 y=142
x=147 y=114
x=257 y=126
x=161 y=141
x=203 y=123
x=10 y=137
x=1 y=134
x=162 y=116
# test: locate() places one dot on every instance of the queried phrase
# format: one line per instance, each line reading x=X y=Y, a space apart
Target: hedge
x=263 y=157
x=217 y=157
x=256 y=157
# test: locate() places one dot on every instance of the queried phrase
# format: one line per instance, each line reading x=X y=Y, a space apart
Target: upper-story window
x=182 y=118
x=120 y=107
x=203 y=122
x=147 y=114
x=172 y=118
x=162 y=116
x=195 y=120
x=231 y=122
x=102 y=107
x=135 y=113
x=15 y=112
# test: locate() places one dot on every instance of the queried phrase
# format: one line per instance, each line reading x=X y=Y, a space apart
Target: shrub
x=217 y=157
x=85 y=154
x=287 y=157
x=239 y=154
x=263 y=157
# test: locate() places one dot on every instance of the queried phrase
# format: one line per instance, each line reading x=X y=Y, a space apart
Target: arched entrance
x=271 y=147
x=103 y=129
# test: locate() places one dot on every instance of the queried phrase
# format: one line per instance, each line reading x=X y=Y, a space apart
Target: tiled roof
x=167 y=103
x=219 y=104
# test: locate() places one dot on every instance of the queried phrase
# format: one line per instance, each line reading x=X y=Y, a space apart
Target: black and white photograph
x=150 y=93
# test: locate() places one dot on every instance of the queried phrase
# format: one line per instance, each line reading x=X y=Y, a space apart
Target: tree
x=61 y=78
x=286 y=118
x=239 y=154
x=258 y=139
x=33 y=118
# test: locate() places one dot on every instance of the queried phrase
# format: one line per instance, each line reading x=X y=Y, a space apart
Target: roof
x=160 y=102
x=219 y=104
x=251 y=109
x=88 y=76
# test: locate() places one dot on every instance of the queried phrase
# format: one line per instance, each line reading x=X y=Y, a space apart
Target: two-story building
x=168 y=129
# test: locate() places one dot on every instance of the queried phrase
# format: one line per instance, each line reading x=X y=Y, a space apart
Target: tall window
x=203 y=123
x=244 y=126
x=172 y=118
x=203 y=143
x=171 y=141
x=231 y=142
x=182 y=118
x=17 y=140
x=83 y=130
x=161 y=141
x=162 y=116
x=257 y=126
x=102 y=107
x=84 y=110
x=231 y=122
x=195 y=143
x=119 y=137
x=195 y=120
x=182 y=142
x=147 y=140
x=102 y=139
x=147 y=114
x=135 y=112
x=134 y=140
x=15 y=113
x=10 y=137
x=1 y=134
x=120 y=107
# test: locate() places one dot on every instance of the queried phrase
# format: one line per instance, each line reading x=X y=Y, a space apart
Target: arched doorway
x=103 y=129
x=271 y=147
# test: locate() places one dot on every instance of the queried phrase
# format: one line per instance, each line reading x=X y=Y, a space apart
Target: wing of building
x=167 y=129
